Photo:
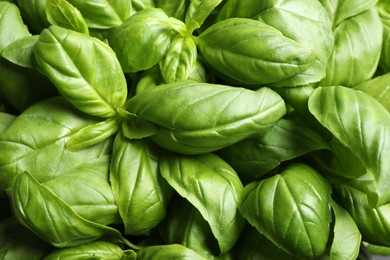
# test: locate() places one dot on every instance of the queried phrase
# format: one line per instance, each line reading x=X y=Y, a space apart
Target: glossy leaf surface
x=292 y=209
x=88 y=74
x=242 y=113
x=361 y=124
x=213 y=187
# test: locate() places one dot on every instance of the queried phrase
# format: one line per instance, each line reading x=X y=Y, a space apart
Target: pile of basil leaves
x=236 y=129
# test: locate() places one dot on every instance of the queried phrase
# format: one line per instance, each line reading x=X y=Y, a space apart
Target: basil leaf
x=379 y=88
x=140 y=192
x=40 y=147
x=135 y=127
x=373 y=222
x=96 y=90
x=5 y=120
x=346 y=238
x=173 y=251
x=86 y=189
x=185 y=225
x=342 y=10
x=286 y=140
x=213 y=187
x=384 y=14
x=34 y=12
x=93 y=134
x=152 y=30
x=94 y=250
x=242 y=113
x=198 y=11
x=179 y=60
x=103 y=14
x=355 y=57
x=292 y=209
x=18 y=242
x=362 y=125
x=63 y=14
x=51 y=218
x=12 y=27
x=265 y=57
x=253 y=246
x=21 y=52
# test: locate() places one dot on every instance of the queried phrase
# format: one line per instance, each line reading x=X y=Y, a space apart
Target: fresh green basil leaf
x=175 y=8
x=84 y=69
x=341 y=10
x=6 y=120
x=198 y=11
x=18 y=242
x=379 y=88
x=292 y=209
x=173 y=251
x=362 y=125
x=179 y=60
x=34 y=12
x=151 y=29
x=93 y=134
x=94 y=250
x=384 y=14
x=21 y=52
x=242 y=113
x=358 y=43
x=346 y=237
x=47 y=215
x=213 y=187
x=12 y=26
x=135 y=127
x=373 y=222
x=140 y=192
x=40 y=147
x=265 y=57
x=86 y=189
x=286 y=140
x=63 y=14
x=305 y=22
x=185 y=225
x=254 y=246
x=103 y=14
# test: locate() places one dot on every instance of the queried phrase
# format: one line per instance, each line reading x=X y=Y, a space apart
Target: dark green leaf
x=286 y=140
x=185 y=225
x=18 y=242
x=173 y=251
